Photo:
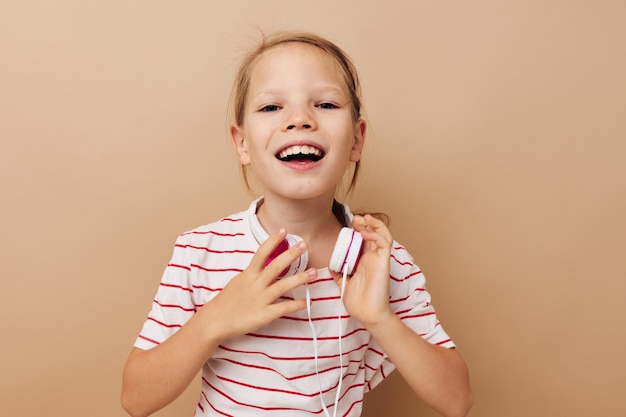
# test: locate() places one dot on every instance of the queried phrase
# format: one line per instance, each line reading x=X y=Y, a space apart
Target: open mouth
x=303 y=153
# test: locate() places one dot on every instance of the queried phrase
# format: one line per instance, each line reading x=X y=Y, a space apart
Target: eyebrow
x=319 y=90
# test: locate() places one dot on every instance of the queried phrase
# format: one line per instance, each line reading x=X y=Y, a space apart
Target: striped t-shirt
x=272 y=371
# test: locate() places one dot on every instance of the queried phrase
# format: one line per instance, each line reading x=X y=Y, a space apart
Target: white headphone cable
x=308 y=310
x=343 y=288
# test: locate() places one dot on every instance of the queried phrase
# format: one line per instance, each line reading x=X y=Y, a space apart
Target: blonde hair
x=347 y=70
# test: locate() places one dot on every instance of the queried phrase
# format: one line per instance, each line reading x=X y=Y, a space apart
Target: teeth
x=296 y=150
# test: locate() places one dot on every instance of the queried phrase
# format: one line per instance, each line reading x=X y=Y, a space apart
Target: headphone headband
x=346 y=252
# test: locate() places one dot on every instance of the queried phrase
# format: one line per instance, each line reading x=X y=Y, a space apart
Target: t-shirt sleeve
x=411 y=301
x=173 y=304
x=412 y=304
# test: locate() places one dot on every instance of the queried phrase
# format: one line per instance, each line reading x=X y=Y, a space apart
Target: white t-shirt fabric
x=272 y=371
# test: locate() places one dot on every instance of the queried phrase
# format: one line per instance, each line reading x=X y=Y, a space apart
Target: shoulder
x=402 y=266
x=400 y=256
x=230 y=226
x=217 y=245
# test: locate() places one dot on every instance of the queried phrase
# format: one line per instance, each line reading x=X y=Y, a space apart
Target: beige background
x=497 y=146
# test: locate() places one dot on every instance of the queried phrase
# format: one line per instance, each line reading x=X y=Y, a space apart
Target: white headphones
x=345 y=254
x=347 y=251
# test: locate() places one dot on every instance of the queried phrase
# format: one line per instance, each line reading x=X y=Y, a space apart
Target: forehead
x=294 y=62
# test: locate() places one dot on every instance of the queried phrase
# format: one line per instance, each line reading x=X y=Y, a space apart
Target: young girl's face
x=298 y=135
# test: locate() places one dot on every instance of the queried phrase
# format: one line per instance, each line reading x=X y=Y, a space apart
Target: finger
x=358 y=222
x=371 y=228
x=284 y=260
x=282 y=286
x=375 y=223
x=284 y=308
x=276 y=309
x=282 y=265
x=260 y=258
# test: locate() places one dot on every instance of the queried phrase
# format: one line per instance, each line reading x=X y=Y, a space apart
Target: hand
x=248 y=301
x=366 y=295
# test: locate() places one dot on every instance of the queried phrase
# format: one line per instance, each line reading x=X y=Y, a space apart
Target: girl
x=251 y=299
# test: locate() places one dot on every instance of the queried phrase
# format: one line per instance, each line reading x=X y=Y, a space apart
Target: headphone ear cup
x=347 y=251
x=298 y=265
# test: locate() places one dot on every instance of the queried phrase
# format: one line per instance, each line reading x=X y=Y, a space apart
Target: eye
x=269 y=108
x=327 y=106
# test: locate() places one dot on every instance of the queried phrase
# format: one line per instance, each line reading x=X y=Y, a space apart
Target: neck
x=312 y=220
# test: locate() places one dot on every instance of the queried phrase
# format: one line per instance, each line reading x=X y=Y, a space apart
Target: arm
x=437 y=375
x=153 y=378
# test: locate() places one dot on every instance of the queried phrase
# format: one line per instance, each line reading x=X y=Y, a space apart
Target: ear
x=239 y=143
x=359 y=139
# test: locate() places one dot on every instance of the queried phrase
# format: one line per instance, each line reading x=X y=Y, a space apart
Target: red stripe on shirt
x=202 y=287
x=216 y=269
x=179 y=266
x=355 y=331
x=413 y=316
x=175 y=286
x=213 y=250
x=399 y=300
x=149 y=340
x=231 y=219
x=315 y=318
x=212 y=232
x=175 y=306
x=407 y=277
x=213 y=407
x=400 y=262
x=295 y=377
x=293 y=358
x=169 y=326
x=261 y=388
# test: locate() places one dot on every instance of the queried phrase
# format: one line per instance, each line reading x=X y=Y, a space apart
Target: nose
x=300 y=118
x=304 y=126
